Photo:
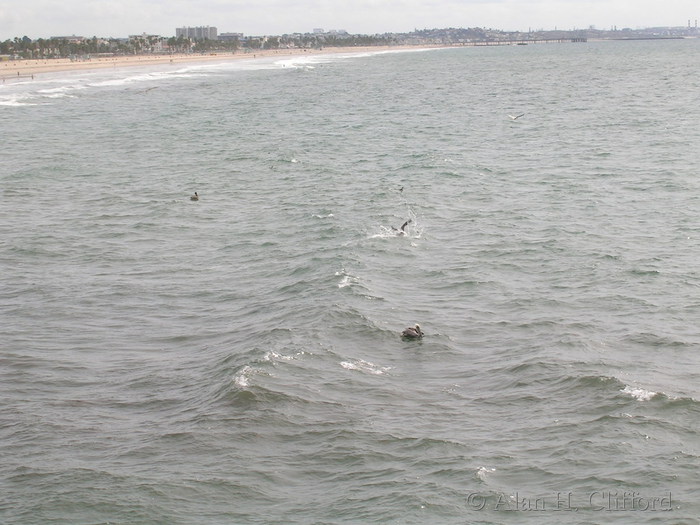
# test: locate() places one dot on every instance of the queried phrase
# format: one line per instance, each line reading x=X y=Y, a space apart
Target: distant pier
x=523 y=41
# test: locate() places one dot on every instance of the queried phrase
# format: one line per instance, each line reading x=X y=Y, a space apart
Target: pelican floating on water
x=194 y=197
x=412 y=332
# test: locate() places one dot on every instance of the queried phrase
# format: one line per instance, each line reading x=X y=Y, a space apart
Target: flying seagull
x=516 y=117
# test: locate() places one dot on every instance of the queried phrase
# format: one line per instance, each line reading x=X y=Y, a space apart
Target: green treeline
x=64 y=47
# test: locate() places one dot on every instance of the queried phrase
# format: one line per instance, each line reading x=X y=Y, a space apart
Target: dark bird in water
x=516 y=117
x=401 y=189
x=412 y=332
x=402 y=230
x=194 y=197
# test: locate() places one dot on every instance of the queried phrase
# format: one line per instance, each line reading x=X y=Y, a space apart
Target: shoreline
x=33 y=67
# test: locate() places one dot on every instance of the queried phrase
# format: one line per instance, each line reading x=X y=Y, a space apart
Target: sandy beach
x=29 y=68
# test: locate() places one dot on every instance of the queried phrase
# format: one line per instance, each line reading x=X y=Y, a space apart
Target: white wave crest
x=16 y=100
x=242 y=378
x=364 y=366
x=483 y=472
x=276 y=356
x=346 y=279
x=639 y=394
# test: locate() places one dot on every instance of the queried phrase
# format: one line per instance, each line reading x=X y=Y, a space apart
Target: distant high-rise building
x=197 y=33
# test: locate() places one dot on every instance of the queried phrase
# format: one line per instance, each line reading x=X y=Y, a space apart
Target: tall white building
x=197 y=33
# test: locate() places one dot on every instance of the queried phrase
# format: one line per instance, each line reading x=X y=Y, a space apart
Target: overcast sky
x=120 y=18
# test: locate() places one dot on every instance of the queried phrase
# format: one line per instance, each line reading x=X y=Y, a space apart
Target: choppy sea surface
x=238 y=359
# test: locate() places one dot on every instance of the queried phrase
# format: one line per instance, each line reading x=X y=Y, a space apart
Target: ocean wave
x=347 y=279
x=300 y=62
x=483 y=472
x=64 y=90
x=274 y=356
x=665 y=399
x=385 y=232
x=537 y=381
x=309 y=62
x=150 y=77
x=242 y=378
x=660 y=340
x=18 y=100
x=356 y=285
x=364 y=366
x=58 y=86
x=640 y=394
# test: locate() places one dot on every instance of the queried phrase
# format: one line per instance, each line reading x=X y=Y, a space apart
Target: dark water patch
x=655 y=340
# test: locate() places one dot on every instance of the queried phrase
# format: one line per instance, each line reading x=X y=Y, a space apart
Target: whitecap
x=639 y=394
x=304 y=62
x=57 y=95
x=482 y=472
x=412 y=231
x=276 y=356
x=309 y=62
x=60 y=90
x=242 y=378
x=384 y=233
x=364 y=366
x=16 y=100
x=347 y=279
x=128 y=80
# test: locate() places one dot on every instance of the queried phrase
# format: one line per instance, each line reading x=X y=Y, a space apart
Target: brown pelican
x=194 y=197
x=402 y=230
x=412 y=332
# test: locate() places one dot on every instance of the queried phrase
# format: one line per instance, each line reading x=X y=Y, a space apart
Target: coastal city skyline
x=43 y=19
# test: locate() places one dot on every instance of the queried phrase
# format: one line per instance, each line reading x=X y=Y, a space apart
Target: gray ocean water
x=238 y=360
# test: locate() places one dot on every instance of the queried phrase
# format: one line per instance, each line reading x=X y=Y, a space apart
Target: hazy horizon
x=44 y=19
